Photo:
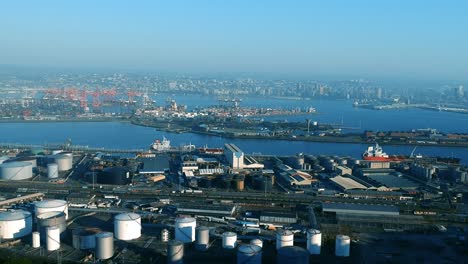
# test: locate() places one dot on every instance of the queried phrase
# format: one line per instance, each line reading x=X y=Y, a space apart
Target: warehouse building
x=156 y=165
x=206 y=210
x=345 y=183
x=278 y=217
x=363 y=209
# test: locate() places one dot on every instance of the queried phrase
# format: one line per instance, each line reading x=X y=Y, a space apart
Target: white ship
x=163 y=145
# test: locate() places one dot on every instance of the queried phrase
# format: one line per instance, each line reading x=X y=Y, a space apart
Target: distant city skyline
x=370 y=39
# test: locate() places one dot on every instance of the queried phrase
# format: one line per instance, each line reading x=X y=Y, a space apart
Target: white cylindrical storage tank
x=15 y=171
x=314 y=241
x=52 y=171
x=48 y=219
x=185 y=229
x=57 y=151
x=165 y=235
x=3 y=159
x=249 y=254
x=104 y=245
x=202 y=238
x=52 y=238
x=51 y=206
x=342 y=245
x=15 y=224
x=127 y=226
x=175 y=251
x=284 y=238
x=36 y=240
x=257 y=242
x=229 y=240
x=64 y=162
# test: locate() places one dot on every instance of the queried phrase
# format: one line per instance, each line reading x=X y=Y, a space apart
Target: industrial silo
x=229 y=240
x=292 y=255
x=202 y=238
x=51 y=219
x=249 y=254
x=113 y=175
x=52 y=171
x=15 y=171
x=238 y=183
x=127 y=226
x=15 y=224
x=64 y=161
x=36 y=240
x=104 y=245
x=342 y=245
x=284 y=238
x=257 y=242
x=314 y=241
x=185 y=229
x=175 y=252
x=52 y=238
x=51 y=206
x=165 y=235
x=84 y=238
x=57 y=151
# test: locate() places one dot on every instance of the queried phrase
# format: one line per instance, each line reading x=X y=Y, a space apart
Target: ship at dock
x=376 y=153
x=161 y=145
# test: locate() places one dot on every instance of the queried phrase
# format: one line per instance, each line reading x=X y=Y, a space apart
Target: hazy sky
x=409 y=38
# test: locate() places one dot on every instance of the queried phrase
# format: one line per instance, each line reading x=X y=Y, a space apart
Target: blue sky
x=412 y=38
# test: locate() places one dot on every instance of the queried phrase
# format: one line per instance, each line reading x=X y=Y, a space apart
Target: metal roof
x=360 y=208
x=347 y=183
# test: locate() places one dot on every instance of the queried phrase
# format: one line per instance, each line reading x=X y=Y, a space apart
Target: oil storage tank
x=15 y=224
x=314 y=241
x=15 y=171
x=51 y=206
x=284 y=238
x=64 y=161
x=84 y=238
x=29 y=159
x=202 y=238
x=342 y=245
x=175 y=252
x=113 y=175
x=52 y=171
x=36 y=240
x=127 y=226
x=185 y=229
x=293 y=255
x=51 y=219
x=52 y=238
x=229 y=240
x=257 y=242
x=104 y=245
x=249 y=254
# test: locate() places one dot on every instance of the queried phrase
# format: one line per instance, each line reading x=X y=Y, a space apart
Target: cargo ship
x=163 y=145
x=375 y=153
x=211 y=151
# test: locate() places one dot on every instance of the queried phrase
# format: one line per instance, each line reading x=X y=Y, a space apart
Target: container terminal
x=220 y=204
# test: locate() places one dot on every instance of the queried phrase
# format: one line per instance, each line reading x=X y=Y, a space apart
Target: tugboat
x=163 y=145
x=375 y=153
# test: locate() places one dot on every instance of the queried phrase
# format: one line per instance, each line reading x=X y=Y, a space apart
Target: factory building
x=345 y=183
x=156 y=165
x=294 y=178
x=422 y=171
x=234 y=156
x=361 y=209
x=238 y=161
x=343 y=170
x=206 y=210
x=278 y=217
